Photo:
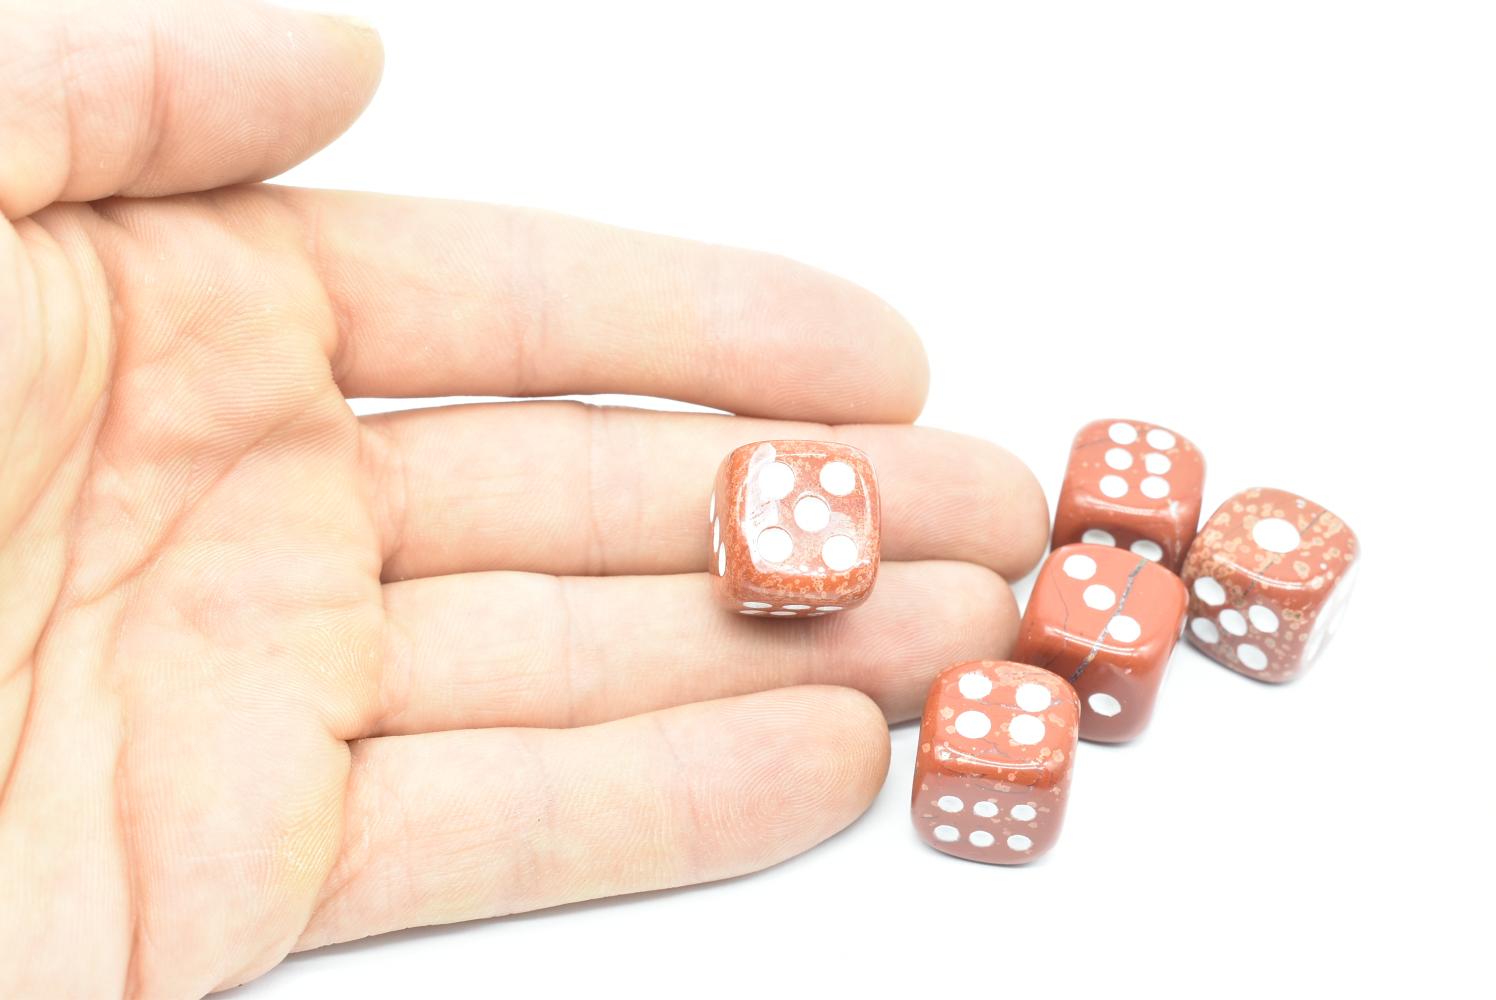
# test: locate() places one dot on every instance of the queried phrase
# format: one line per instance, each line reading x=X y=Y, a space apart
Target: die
x=996 y=746
x=1133 y=485
x=1107 y=621
x=795 y=529
x=1269 y=577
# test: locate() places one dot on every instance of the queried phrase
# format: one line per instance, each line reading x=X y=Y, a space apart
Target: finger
x=145 y=97
x=626 y=491
x=451 y=826
x=439 y=298
x=519 y=649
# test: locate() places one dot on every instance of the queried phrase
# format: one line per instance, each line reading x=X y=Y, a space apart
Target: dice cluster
x=1259 y=587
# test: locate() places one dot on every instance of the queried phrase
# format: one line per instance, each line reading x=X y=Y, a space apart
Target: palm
x=203 y=576
x=274 y=675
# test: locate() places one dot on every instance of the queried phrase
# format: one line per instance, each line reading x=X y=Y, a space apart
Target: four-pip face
x=794 y=529
x=996 y=744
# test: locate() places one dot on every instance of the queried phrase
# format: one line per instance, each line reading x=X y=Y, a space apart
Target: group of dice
x=1259 y=588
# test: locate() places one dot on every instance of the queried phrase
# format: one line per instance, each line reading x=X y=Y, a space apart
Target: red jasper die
x=1107 y=621
x=794 y=529
x=1269 y=577
x=1133 y=485
x=993 y=770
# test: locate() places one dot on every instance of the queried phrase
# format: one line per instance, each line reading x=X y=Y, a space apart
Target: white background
x=1269 y=226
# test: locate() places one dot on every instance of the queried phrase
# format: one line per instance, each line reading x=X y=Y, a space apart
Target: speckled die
x=1133 y=485
x=795 y=529
x=1269 y=577
x=996 y=746
x=1107 y=621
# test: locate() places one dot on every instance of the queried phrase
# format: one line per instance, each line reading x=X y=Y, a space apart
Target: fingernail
x=357 y=23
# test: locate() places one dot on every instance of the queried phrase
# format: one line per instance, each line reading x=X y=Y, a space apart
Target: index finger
x=445 y=298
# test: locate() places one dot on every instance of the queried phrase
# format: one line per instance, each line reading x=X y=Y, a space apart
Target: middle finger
x=578 y=490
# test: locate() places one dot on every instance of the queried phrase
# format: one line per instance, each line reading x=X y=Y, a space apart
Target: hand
x=273 y=676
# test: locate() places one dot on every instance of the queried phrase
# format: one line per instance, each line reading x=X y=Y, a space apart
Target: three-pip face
x=794 y=529
x=1107 y=621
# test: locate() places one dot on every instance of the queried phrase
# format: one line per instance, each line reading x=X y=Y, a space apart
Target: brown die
x=1269 y=577
x=1107 y=621
x=1133 y=485
x=996 y=745
x=795 y=529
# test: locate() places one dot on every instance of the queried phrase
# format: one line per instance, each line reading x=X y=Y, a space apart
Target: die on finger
x=996 y=745
x=1269 y=577
x=1107 y=621
x=1133 y=485
x=794 y=528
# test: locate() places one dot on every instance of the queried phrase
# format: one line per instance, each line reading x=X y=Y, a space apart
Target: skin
x=274 y=676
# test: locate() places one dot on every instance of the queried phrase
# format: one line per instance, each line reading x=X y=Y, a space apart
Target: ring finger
x=520 y=649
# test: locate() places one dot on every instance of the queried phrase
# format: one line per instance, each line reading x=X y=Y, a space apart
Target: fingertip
x=992 y=511
x=811 y=761
x=852 y=743
x=346 y=55
x=897 y=380
x=863 y=732
x=907 y=363
x=938 y=612
x=1029 y=523
x=254 y=90
x=1018 y=526
x=1004 y=609
x=984 y=612
x=817 y=347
